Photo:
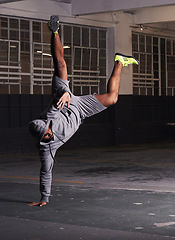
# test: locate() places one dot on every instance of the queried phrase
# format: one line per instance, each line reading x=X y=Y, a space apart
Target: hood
x=38 y=128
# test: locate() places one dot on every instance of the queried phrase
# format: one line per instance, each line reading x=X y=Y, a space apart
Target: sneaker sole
x=120 y=54
x=53 y=24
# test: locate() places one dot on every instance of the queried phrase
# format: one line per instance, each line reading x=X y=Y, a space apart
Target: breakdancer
x=66 y=111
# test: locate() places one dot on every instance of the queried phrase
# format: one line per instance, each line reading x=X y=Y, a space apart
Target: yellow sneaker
x=125 y=60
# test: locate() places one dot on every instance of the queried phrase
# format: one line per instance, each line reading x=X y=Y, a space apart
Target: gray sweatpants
x=65 y=124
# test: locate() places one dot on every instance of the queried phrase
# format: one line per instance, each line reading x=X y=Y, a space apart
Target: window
x=26 y=65
x=42 y=68
x=156 y=74
x=145 y=76
x=25 y=56
x=170 y=67
x=4 y=28
x=89 y=60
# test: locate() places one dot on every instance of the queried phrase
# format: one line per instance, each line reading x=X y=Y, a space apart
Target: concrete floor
x=115 y=193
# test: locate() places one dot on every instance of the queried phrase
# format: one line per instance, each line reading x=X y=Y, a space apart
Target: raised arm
x=57 y=49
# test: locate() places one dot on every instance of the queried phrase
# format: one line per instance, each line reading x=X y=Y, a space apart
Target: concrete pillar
x=123 y=44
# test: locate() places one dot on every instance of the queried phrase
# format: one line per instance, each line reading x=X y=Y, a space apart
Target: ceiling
x=65 y=1
x=8 y=1
x=149 y=16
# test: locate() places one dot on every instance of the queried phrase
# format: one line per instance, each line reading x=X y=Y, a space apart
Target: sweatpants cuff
x=44 y=199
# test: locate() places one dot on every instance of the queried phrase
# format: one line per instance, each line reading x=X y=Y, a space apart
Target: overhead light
x=44 y=54
x=12 y=46
x=141 y=28
x=65 y=47
x=48 y=54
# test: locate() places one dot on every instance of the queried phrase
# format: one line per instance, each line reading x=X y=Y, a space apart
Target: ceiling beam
x=155 y=15
x=83 y=7
x=9 y=1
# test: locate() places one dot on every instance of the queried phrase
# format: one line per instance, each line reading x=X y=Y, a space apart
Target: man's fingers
x=64 y=99
x=42 y=204
x=60 y=104
x=32 y=204
x=37 y=204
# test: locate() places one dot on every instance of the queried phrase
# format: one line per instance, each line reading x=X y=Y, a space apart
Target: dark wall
x=134 y=119
x=18 y=110
x=142 y=119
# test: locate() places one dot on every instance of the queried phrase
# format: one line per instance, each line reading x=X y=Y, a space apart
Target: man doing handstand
x=66 y=111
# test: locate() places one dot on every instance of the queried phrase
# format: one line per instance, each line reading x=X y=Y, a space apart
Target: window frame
x=158 y=80
x=40 y=82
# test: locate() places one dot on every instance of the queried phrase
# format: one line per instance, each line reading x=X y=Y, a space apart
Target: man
x=66 y=111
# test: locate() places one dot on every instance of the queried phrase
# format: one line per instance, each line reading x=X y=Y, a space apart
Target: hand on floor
x=40 y=204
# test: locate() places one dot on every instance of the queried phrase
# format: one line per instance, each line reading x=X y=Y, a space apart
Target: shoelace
x=51 y=153
x=51 y=149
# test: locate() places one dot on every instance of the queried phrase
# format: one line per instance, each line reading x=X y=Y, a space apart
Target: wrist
x=69 y=93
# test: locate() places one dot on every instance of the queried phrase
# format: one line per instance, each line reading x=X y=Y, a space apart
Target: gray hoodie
x=64 y=123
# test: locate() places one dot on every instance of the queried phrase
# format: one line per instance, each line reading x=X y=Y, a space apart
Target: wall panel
x=134 y=119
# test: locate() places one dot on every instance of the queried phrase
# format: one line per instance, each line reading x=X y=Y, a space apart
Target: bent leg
x=113 y=86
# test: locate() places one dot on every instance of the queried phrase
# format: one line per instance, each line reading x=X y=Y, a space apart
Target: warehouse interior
x=112 y=175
